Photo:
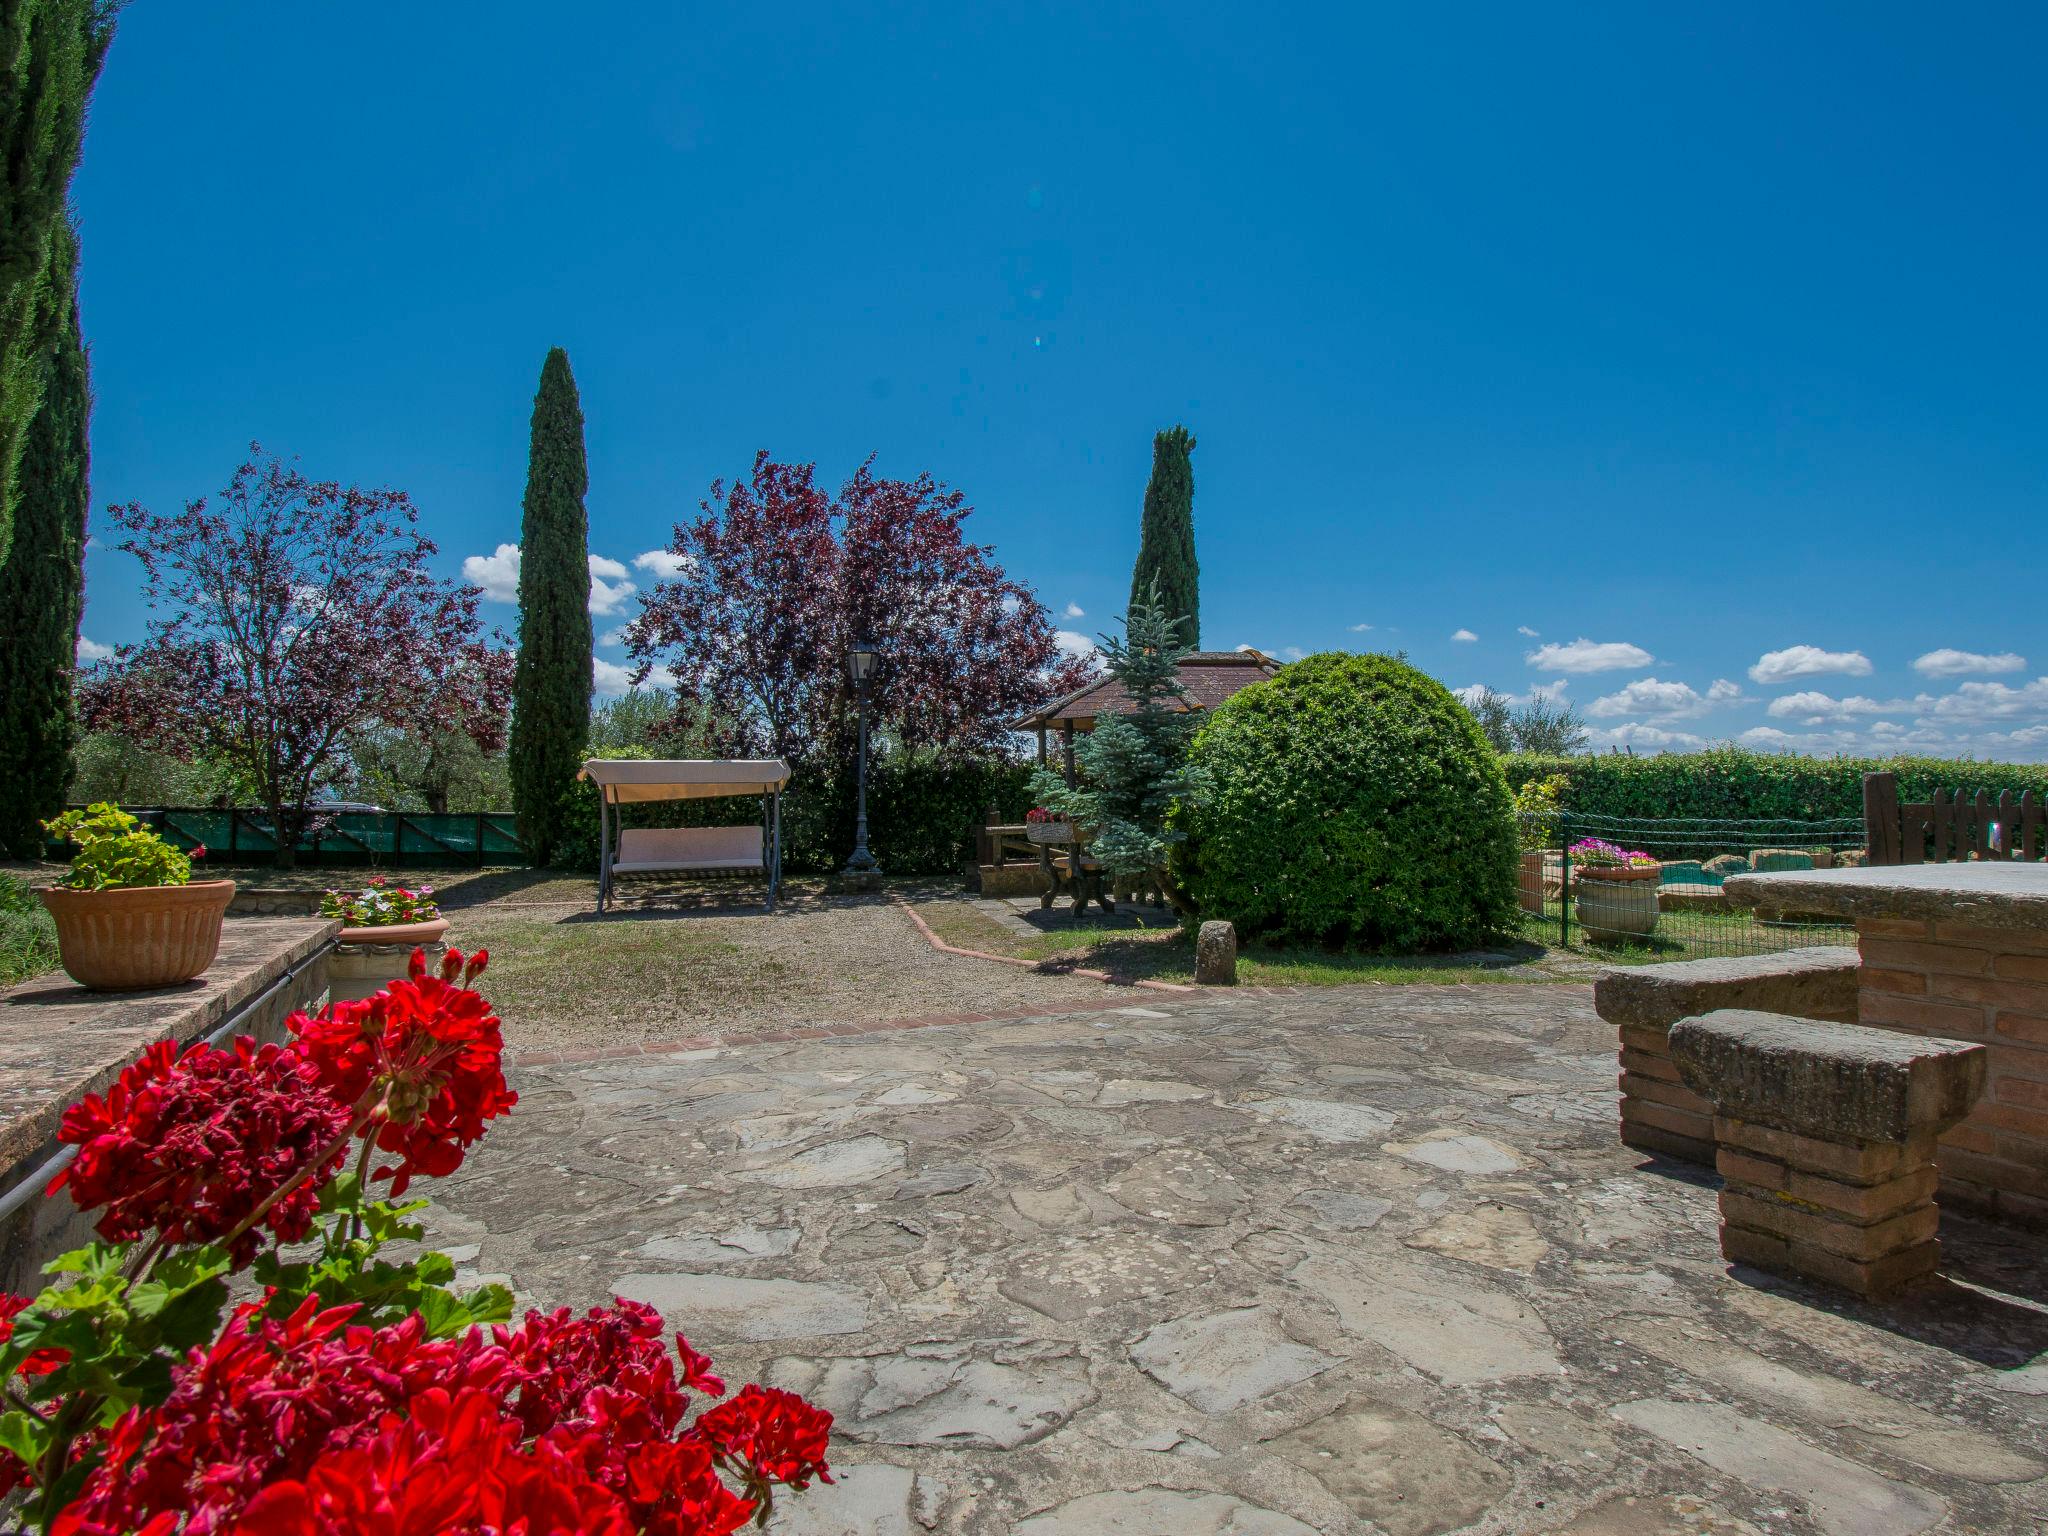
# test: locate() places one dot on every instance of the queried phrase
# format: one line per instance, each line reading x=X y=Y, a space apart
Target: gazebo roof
x=1210 y=677
x=630 y=780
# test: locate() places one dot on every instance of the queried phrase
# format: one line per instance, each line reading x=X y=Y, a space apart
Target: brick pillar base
x=1860 y=1216
x=1824 y=1135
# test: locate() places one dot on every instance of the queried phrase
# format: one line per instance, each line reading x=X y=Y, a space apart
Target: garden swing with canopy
x=687 y=850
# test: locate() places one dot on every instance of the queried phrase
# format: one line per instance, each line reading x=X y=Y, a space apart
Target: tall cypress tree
x=552 y=681
x=50 y=55
x=1166 y=570
x=42 y=583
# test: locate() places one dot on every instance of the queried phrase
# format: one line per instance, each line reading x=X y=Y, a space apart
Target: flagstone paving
x=1362 y=1259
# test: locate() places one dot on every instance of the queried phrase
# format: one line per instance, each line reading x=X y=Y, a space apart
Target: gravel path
x=565 y=979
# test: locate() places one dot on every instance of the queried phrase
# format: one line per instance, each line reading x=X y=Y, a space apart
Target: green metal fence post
x=1564 y=888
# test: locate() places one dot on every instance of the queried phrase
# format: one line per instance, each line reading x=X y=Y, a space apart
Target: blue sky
x=1688 y=360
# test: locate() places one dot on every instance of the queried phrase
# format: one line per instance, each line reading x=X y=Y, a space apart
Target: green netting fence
x=390 y=839
x=1680 y=911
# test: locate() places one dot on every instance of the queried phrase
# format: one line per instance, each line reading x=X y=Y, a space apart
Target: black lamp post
x=862 y=873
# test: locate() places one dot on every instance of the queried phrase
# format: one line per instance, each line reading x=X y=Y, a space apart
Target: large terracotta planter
x=369 y=959
x=146 y=936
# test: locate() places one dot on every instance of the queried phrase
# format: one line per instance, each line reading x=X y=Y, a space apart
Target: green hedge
x=1350 y=801
x=1729 y=784
x=922 y=814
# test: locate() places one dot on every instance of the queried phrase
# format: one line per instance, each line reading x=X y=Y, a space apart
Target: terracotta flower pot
x=143 y=936
x=411 y=935
x=372 y=958
x=1617 y=872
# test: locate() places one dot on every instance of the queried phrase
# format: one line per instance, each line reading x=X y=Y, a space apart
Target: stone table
x=1955 y=951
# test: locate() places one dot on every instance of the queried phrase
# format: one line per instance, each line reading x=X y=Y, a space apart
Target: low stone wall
x=1658 y=1112
x=274 y=901
x=1990 y=986
x=59 y=1042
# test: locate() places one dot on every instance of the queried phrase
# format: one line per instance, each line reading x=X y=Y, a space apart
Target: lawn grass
x=1167 y=953
x=28 y=936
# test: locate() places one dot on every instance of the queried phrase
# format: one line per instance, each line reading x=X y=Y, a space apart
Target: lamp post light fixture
x=862 y=873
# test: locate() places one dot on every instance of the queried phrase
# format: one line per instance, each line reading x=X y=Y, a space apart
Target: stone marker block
x=1825 y=1136
x=1216 y=955
x=1722 y=865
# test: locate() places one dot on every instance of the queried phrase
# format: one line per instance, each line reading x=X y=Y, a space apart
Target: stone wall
x=1989 y=986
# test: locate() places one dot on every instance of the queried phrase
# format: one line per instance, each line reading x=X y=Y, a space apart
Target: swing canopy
x=632 y=781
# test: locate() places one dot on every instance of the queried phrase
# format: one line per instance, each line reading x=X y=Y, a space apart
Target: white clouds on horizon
x=1807 y=661
x=1074 y=643
x=1952 y=663
x=90 y=651
x=498 y=575
x=1583 y=655
x=1817 y=708
x=1666 y=701
x=614 y=681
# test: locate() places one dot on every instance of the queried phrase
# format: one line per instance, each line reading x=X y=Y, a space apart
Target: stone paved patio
x=1364 y=1259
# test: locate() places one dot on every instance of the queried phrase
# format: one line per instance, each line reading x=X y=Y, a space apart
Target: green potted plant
x=129 y=914
x=381 y=925
x=1614 y=888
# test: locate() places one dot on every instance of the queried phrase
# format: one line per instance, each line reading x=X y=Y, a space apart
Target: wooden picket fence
x=1951 y=826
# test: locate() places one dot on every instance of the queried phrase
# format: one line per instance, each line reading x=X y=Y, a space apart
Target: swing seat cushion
x=668 y=850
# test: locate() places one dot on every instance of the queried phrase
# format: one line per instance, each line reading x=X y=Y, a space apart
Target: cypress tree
x=551 y=683
x=1166 y=540
x=42 y=585
x=50 y=55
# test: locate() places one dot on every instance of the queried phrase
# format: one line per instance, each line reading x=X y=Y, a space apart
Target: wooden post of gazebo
x=1067 y=752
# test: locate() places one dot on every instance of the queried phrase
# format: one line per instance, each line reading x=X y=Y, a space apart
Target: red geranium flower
x=189 y=1146
x=424 y=1058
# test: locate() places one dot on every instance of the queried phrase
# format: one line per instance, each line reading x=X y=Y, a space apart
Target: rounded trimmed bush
x=1352 y=800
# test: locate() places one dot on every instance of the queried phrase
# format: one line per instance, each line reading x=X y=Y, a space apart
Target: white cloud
x=1074 y=643
x=1950 y=663
x=1359 y=629
x=1653 y=737
x=1993 y=701
x=497 y=574
x=1807 y=661
x=663 y=565
x=1648 y=696
x=1583 y=655
x=1816 y=708
x=1552 y=693
x=613 y=680
x=1074 y=611
x=1523 y=629
x=616 y=636
x=1464 y=635
x=1769 y=738
x=1721 y=691
x=609 y=587
x=90 y=651
x=1292 y=652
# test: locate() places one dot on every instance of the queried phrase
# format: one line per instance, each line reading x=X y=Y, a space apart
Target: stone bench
x=1825 y=1137
x=1658 y=1112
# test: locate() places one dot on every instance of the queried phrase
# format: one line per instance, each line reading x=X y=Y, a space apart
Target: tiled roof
x=1210 y=677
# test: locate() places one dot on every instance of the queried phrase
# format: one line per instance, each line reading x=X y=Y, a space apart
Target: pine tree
x=552 y=682
x=1166 y=538
x=42 y=587
x=1132 y=768
x=50 y=55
